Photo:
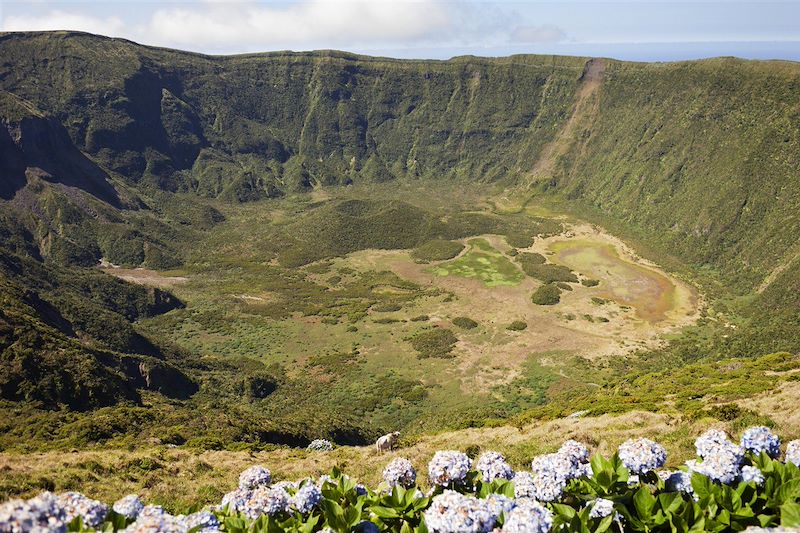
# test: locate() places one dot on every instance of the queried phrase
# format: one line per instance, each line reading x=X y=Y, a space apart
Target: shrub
x=550 y=273
x=387 y=307
x=464 y=322
x=420 y=318
x=437 y=250
x=590 y=282
x=438 y=342
x=517 y=325
x=547 y=294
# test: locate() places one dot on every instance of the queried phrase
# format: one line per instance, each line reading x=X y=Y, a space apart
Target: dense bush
x=517 y=325
x=437 y=250
x=731 y=487
x=437 y=342
x=547 y=294
x=464 y=322
x=547 y=273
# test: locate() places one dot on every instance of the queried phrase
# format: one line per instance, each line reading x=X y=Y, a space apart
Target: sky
x=638 y=30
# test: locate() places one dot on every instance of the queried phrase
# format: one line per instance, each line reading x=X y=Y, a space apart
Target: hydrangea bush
x=750 y=485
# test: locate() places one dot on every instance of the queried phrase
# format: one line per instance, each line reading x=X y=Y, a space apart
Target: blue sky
x=634 y=29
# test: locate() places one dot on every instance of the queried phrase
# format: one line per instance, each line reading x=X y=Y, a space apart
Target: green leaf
x=790 y=514
x=644 y=502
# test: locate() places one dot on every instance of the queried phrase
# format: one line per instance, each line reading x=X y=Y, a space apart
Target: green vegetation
x=437 y=342
x=464 y=322
x=590 y=282
x=548 y=294
x=437 y=250
x=482 y=261
x=517 y=325
x=547 y=273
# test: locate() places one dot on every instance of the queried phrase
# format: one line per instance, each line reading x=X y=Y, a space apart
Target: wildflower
x=751 y=474
x=493 y=465
x=266 y=500
x=306 y=498
x=129 y=506
x=75 y=504
x=601 y=508
x=320 y=445
x=401 y=472
x=451 y=511
x=524 y=485
x=528 y=517
x=448 y=468
x=253 y=477
x=793 y=452
x=42 y=513
x=642 y=455
x=201 y=522
x=680 y=482
x=760 y=439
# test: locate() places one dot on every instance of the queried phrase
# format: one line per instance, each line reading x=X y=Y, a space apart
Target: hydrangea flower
x=680 y=482
x=254 y=476
x=760 y=439
x=365 y=526
x=201 y=521
x=161 y=523
x=549 y=485
x=722 y=459
x=793 y=452
x=711 y=441
x=493 y=465
x=401 y=472
x=642 y=455
x=361 y=489
x=524 y=485
x=236 y=500
x=306 y=498
x=320 y=445
x=128 y=506
x=575 y=451
x=266 y=500
x=552 y=472
x=76 y=504
x=601 y=508
x=499 y=504
x=751 y=474
x=451 y=511
x=528 y=517
x=42 y=513
x=285 y=485
x=448 y=468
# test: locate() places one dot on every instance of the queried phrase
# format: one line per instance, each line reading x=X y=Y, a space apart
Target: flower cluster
x=129 y=506
x=601 y=508
x=254 y=476
x=448 y=468
x=722 y=459
x=75 y=504
x=401 y=472
x=451 y=511
x=680 y=482
x=42 y=513
x=306 y=498
x=320 y=445
x=493 y=465
x=642 y=455
x=761 y=439
x=552 y=472
x=266 y=500
x=793 y=452
x=528 y=516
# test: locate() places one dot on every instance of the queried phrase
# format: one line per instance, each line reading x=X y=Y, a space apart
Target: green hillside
x=308 y=234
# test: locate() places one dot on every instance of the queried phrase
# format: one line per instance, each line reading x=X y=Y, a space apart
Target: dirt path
x=585 y=106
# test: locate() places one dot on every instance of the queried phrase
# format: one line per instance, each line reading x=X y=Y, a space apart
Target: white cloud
x=537 y=34
x=62 y=20
x=318 y=23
